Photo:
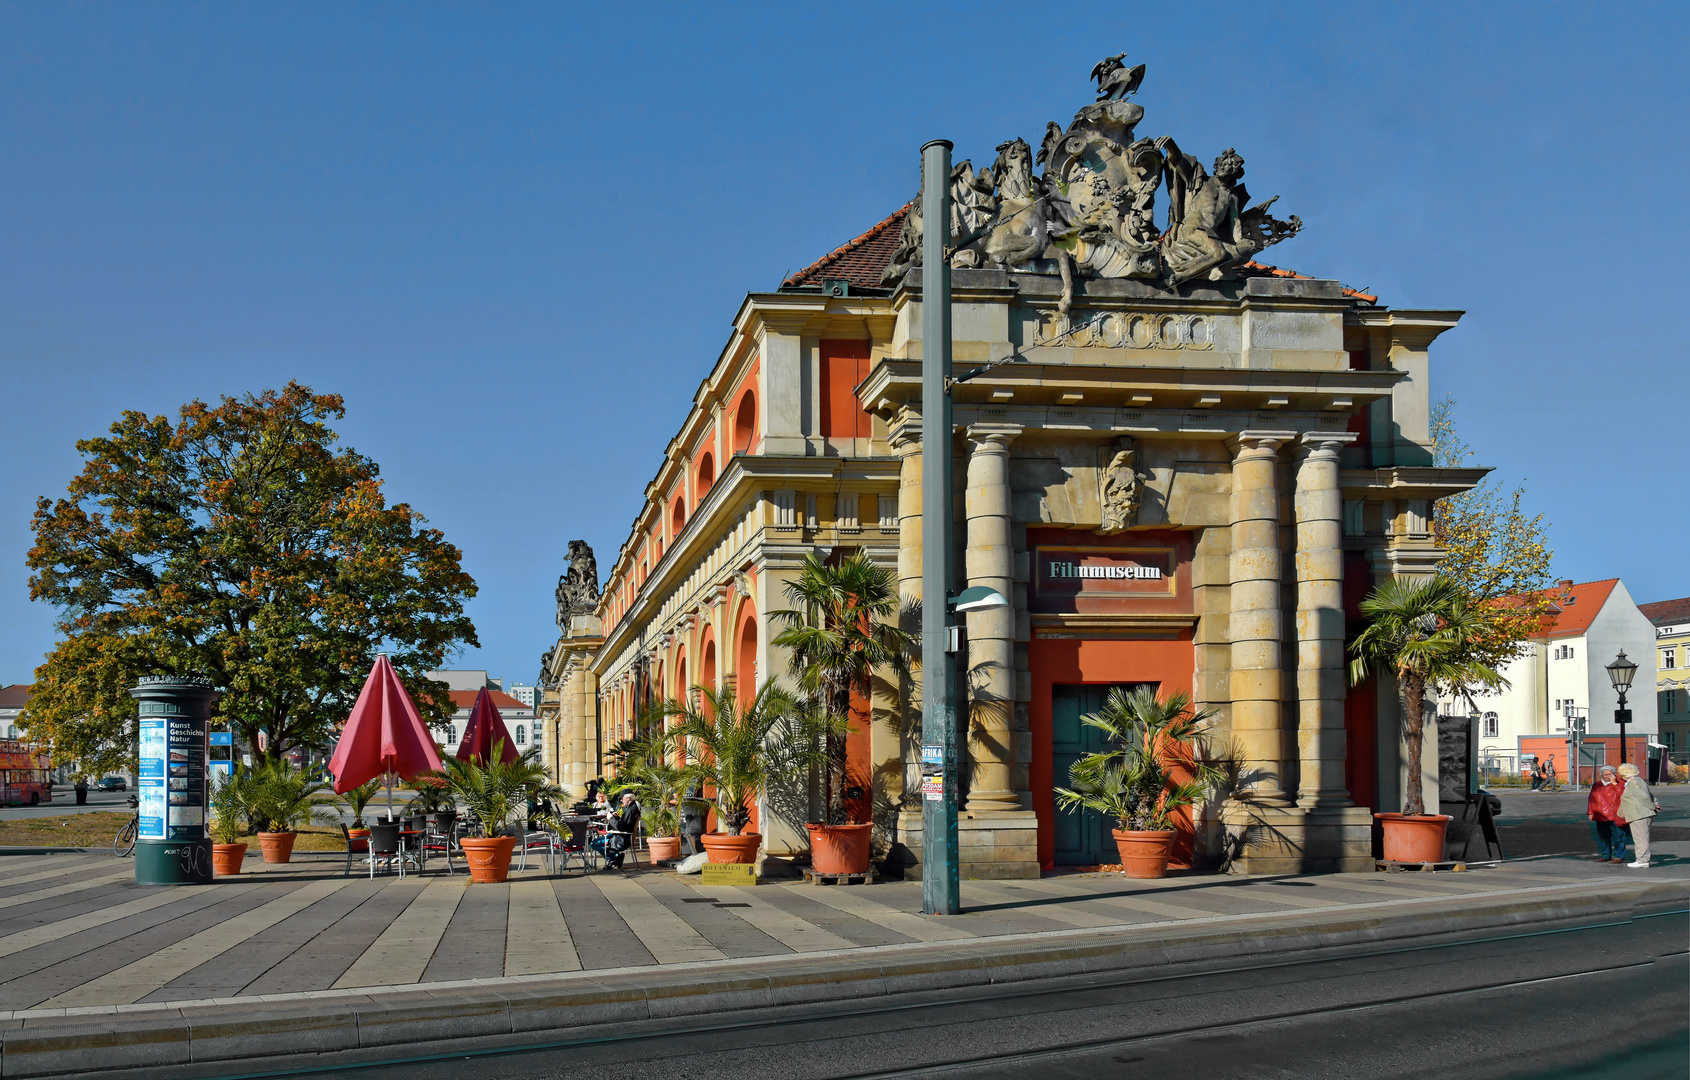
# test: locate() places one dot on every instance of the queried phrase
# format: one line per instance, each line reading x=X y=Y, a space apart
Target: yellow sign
x=729 y=874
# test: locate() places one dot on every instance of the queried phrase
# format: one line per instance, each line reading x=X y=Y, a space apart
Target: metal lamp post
x=1620 y=673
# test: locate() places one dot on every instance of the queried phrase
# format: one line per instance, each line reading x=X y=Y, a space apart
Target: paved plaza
x=76 y=932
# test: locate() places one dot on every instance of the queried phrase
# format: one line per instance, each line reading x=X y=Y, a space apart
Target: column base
x=991 y=845
x=1298 y=840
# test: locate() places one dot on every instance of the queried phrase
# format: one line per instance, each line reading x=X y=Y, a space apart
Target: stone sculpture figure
x=1091 y=213
x=1123 y=490
x=1208 y=227
x=578 y=588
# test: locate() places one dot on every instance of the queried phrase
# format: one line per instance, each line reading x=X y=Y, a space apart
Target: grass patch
x=93 y=829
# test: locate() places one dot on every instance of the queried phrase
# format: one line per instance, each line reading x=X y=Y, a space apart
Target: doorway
x=1082 y=836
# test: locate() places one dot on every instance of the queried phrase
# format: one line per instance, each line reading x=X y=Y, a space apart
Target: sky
x=513 y=236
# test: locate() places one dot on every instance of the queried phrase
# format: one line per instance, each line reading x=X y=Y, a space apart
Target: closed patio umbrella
x=384 y=736
x=486 y=727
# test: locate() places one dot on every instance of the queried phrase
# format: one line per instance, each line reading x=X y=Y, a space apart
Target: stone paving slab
x=305 y=927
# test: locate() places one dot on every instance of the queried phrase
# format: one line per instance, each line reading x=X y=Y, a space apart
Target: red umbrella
x=486 y=727
x=383 y=736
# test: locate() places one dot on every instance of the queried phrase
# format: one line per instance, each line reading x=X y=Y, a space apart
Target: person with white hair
x=1603 y=810
x=1637 y=808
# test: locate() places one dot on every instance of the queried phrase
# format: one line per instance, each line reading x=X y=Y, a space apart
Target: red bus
x=26 y=776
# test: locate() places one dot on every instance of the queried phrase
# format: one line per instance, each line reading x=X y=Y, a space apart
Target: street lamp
x=1620 y=673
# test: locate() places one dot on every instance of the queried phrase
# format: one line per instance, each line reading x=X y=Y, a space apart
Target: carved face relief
x=1123 y=491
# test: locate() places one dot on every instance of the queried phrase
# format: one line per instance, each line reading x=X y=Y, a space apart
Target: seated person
x=626 y=824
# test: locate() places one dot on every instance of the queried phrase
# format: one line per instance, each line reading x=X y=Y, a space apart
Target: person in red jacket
x=1603 y=812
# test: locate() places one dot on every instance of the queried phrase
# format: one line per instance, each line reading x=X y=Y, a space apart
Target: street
x=64 y=802
x=1598 y=1000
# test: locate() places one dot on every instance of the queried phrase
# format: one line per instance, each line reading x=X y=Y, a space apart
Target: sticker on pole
x=933 y=788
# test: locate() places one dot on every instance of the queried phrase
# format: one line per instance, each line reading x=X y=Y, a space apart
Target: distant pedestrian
x=1549 y=774
x=1603 y=810
x=1537 y=776
x=1637 y=808
x=81 y=789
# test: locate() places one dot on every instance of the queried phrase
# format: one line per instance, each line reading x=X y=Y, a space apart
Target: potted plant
x=1131 y=782
x=735 y=751
x=354 y=803
x=660 y=786
x=496 y=792
x=281 y=799
x=1424 y=634
x=432 y=800
x=229 y=824
x=838 y=633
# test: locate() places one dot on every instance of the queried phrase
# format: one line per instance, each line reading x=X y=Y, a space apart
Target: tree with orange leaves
x=240 y=543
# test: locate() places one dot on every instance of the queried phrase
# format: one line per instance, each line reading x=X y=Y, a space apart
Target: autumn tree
x=241 y=543
x=1497 y=554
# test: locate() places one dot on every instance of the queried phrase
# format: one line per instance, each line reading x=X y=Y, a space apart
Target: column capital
x=992 y=438
x=1259 y=444
x=1327 y=444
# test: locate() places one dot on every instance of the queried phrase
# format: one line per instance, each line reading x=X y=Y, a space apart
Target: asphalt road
x=64 y=802
x=1603 y=1000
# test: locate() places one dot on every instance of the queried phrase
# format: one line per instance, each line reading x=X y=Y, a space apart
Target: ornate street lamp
x=1620 y=673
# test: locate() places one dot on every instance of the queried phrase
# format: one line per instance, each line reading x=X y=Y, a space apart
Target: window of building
x=1672 y=701
x=521 y=735
x=1669 y=659
x=1670 y=738
x=1491 y=726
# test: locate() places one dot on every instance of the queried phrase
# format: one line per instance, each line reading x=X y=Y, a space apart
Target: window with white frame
x=521 y=735
x=1491 y=726
x=1669 y=658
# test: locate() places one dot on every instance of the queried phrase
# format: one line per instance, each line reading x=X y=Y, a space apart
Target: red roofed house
x=463 y=686
x=1564 y=673
x=1672 y=665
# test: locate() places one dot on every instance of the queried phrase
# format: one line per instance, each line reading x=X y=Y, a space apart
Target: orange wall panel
x=1168 y=662
x=844 y=365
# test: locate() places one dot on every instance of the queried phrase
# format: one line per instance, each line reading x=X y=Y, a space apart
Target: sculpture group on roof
x=1091 y=211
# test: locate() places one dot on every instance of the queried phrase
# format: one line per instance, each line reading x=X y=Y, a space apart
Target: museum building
x=1185 y=467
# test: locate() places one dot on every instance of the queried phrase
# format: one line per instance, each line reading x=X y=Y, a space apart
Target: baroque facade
x=1185 y=468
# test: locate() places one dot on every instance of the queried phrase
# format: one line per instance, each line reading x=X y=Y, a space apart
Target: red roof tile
x=1576 y=605
x=465 y=700
x=1667 y=612
x=860 y=261
x=15 y=696
x=1264 y=270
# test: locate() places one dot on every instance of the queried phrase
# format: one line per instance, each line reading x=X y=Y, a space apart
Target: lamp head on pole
x=977 y=598
x=1621 y=672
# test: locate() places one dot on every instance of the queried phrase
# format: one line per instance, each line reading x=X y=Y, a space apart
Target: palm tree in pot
x=280 y=801
x=658 y=784
x=839 y=631
x=496 y=794
x=735 y=752
x=230 y=800
x=1424 y=634
x=1134 y=781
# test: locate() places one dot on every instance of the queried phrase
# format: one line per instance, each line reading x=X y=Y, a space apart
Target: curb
x=293 y=1030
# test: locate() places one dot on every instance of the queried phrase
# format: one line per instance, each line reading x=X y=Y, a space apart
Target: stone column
x=1256 y=622
x=990 y=675
x=906 y=443
x=1321 y=682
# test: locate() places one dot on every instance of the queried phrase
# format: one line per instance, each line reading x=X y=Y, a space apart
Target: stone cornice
x=1409 y=482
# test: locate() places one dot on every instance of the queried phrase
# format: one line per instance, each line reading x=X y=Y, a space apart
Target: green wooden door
x=1082 y=836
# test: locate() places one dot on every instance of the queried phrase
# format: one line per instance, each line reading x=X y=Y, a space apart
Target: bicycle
x=124 y=843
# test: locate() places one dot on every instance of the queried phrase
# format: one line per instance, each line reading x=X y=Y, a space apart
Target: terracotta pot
x=1417 y=838
x=741 y=849
x=360 y=841
x=489 y=860
x=1143 y=854
x=663 y=848
x=277 y=846
x=226 y=859
x=840 y=849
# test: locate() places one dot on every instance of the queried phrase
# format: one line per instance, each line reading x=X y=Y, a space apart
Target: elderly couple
x=1620 y=804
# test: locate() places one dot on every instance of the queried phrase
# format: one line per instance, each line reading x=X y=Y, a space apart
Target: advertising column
x=173 y=846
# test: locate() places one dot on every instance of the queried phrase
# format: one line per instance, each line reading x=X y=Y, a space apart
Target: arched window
x=745 y=423
x=706 y=474
x=680 y=516
x=521 y=735
x=1491 y=726
x=745 y=665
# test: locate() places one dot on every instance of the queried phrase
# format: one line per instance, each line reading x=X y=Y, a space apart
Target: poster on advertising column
x=185 y=779
x=150 y=788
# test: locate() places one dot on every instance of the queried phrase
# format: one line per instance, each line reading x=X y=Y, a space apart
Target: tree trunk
x=1414 y=730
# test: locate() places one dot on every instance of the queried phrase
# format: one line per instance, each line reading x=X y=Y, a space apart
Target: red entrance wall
x=1067 y=660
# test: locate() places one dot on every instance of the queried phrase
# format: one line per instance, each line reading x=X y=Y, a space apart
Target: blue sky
x=513 y=236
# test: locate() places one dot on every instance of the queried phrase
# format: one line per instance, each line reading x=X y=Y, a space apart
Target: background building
x=13 y=698
x=464 y=685
x=1565 y=668
x=1671 y=619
